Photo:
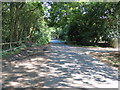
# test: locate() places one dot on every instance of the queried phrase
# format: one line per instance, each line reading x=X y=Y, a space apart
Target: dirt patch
x=110 y=58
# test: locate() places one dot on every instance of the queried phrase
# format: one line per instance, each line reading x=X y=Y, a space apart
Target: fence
x=10 y=43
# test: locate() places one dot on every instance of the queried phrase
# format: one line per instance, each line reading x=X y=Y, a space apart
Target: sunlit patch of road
x=60 y=67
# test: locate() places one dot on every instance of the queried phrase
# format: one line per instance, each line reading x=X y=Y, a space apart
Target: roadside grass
x=89 y=45
x=19 y=49
x=13 y=51
x=76 y=45
x=110 y=58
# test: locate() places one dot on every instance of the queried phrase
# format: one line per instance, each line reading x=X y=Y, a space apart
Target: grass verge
x=19 y=49
x=110 y=58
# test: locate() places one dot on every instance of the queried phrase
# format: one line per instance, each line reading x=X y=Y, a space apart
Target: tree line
x=23 y=21
x=78 y=22
x=86 y=22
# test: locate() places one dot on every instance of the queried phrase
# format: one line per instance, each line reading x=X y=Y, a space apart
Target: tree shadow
x=61 y=67
x=23 y=69
x=76 y=69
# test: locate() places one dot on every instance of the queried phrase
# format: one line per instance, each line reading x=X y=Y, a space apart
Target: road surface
x=61 y=66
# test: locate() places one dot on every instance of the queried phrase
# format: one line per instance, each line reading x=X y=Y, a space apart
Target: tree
x=83 y=22
x=21 y=20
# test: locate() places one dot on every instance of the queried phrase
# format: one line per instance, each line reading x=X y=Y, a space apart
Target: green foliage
x=42 y=33
x=79 y=22
x=24 y=21
x=84 y=23
x=88 y=26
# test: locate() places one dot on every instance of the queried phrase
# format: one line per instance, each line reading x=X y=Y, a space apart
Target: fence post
x=119 y=44
x=0 y=45
x=118 y=29
x=115 y=42
x=10 y=45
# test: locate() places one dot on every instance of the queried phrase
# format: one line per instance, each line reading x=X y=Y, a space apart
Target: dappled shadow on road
x=61 y=67
x=24 y=69
x=70 y=68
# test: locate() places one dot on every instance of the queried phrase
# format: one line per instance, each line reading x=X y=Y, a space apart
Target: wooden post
x=118 y=29
x=115 y=42
x=0 y=45
x=119 y=44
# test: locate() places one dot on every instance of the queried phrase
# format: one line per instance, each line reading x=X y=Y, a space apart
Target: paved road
x=62 y=67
